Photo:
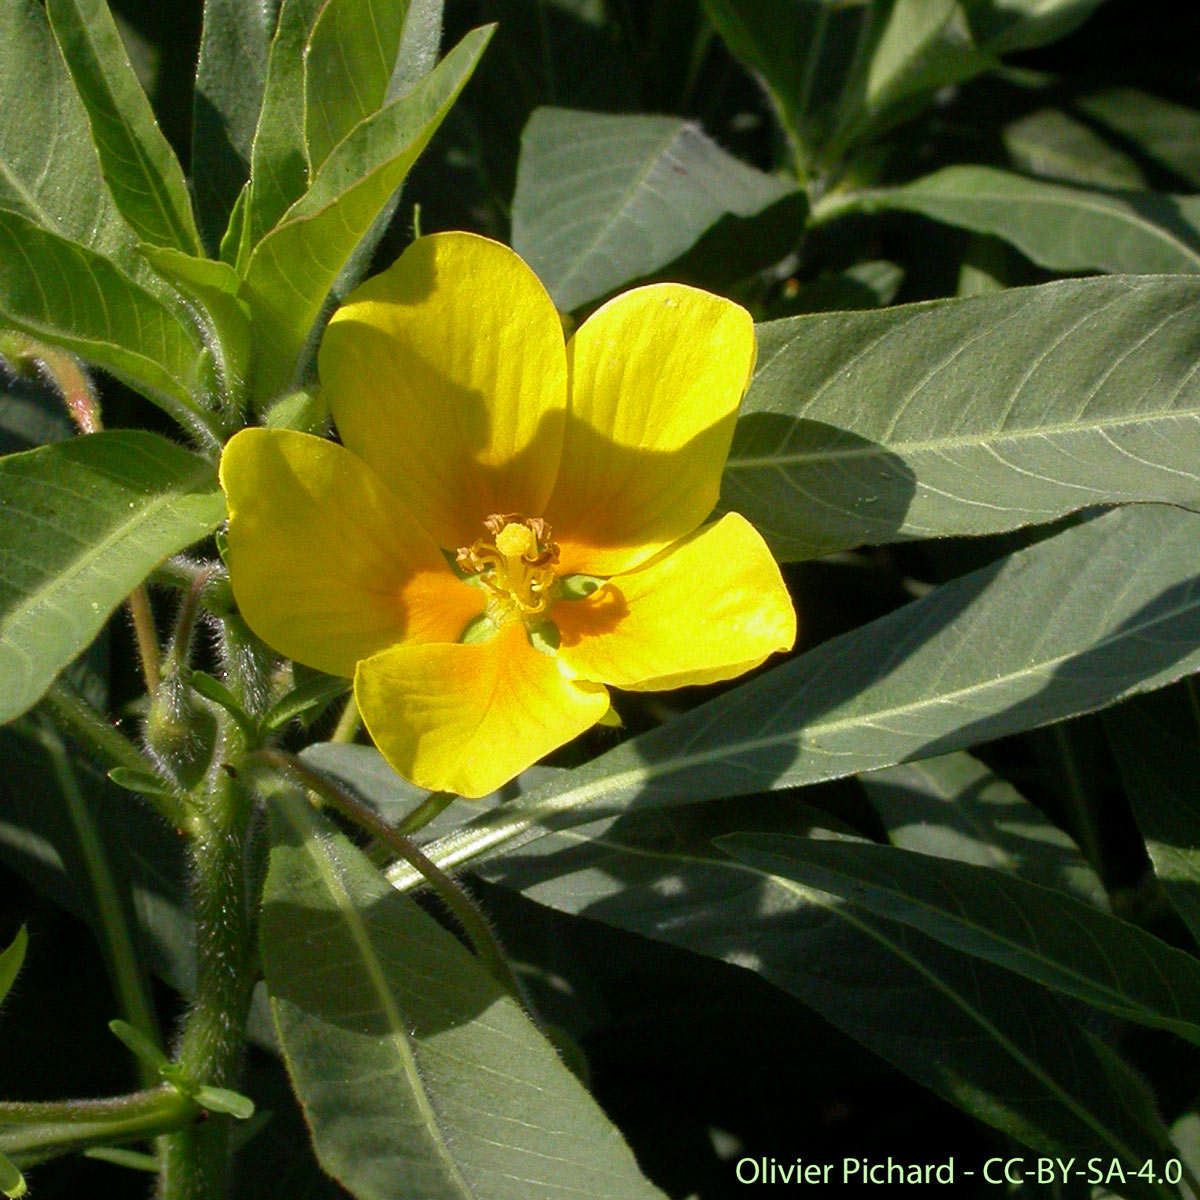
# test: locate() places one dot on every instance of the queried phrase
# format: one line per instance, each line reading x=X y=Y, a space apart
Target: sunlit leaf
x=66 y=294
x=49 y=170
x=603 y=200
x=969 y=416
x=419 y=1075
x=1060 y=227
x=348 y=64
x=292 y=269
x=139 y=166
x=1038 y=932
x=81 y=524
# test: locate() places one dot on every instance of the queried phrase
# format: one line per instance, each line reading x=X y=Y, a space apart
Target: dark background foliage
x=696 y=1061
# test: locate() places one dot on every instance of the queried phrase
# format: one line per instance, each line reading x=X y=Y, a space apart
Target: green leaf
x=969 y=416
x=1053 y=143
x=419 y=1076
x=82 y=523
x=278 y=167
x=66 y=294
x=49 y=170
x=1166 y=132
x=1059 y=227
x=988 y=1041
x=141 y=169
x=292 y=269
x=11 y=959
x=230 y=78
x=1071 y=624
x=954 y=807
x=602 y=200
x=1038 y=932
x=1157 y=746
x=348 y=65
x=840 y=73
x=306 y=701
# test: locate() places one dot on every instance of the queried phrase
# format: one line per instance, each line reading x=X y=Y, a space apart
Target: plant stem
x=146 y=635
x=349 y=723
x=36 y=1132
x=452 y=894
x=125 y=972
x=196 y=1163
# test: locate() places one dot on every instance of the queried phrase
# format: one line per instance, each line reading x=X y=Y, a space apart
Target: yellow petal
x=326 y=565
x=468 y=718
x=656 y=379
x=447 y=375
x=709 y=608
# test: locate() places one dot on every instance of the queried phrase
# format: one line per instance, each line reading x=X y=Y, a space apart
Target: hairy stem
x=196 y=1165
x=34 y=1132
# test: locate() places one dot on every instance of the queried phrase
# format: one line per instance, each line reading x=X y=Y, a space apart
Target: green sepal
x=577 y=587
x=11 y=959
x=12 y=1182
x=545 y=637
x=479 y=629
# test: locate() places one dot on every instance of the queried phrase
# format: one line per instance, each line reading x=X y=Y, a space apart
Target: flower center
x=515 y=562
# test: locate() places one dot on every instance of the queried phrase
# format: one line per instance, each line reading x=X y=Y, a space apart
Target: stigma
x=514 y=561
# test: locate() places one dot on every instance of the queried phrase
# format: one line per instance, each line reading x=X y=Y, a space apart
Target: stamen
x=515 y=564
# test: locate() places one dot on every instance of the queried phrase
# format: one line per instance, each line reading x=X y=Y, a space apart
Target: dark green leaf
x=603 y=200
x=1156 y=741
x=292 y=269
x=66 y=294
x=969 y=416
x=139 y=166
x=1038 y=932
x=1167 y=133
x=1059 y=227
x=994 y=1044
x=419 y=1076
x=955 y=807
x=839 y=73
x=1056 y=145
x=82 y=523
x=1071 y=624
x=230 y=77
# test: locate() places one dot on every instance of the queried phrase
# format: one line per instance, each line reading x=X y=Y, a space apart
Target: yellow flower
x=511 y=521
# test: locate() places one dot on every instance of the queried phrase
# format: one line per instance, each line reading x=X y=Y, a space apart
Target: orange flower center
x=515 y=562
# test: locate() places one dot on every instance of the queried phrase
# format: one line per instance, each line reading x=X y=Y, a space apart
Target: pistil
x=515 y=562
